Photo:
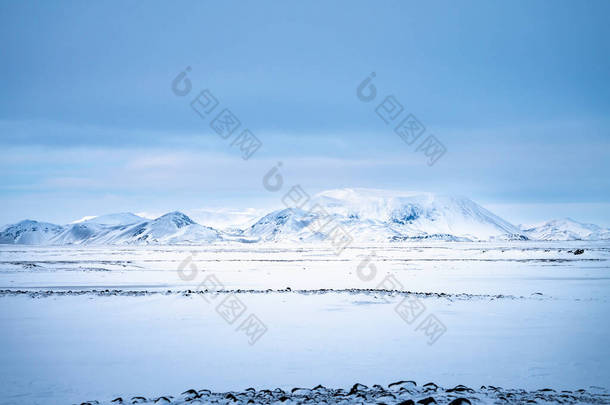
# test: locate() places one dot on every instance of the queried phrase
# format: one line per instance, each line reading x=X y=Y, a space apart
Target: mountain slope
x=379 y=215
x=286 y=224
x=96 y=230
x=172 y=228
x=29 y=232
x=566 y=229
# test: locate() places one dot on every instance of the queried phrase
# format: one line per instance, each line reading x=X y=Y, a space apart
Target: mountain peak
x=27 y=222
x=175 y=217
x=29 y=232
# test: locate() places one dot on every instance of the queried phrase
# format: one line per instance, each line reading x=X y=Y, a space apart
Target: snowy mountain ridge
x=367 y=215
x=29 y=232
x=171 y=228
x=565 y=229
x=379 y=216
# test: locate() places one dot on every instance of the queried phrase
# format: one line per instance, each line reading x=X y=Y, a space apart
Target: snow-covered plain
x=98 y=322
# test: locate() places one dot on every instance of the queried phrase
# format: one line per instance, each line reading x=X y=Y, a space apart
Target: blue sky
x=518 y=92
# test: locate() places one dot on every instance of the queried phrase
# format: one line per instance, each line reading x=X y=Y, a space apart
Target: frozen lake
x=518 y=315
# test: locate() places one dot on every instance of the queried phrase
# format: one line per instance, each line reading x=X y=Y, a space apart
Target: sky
x=517 y=92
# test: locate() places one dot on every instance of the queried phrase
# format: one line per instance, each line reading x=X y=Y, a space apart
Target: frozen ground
x=85 y=323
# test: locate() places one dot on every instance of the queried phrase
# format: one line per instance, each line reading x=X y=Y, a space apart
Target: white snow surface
x=92 y=322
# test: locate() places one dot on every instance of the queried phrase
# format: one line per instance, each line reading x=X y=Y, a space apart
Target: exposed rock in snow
x=401 y=392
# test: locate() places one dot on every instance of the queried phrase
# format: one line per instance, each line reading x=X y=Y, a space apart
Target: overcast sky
x=518 y=92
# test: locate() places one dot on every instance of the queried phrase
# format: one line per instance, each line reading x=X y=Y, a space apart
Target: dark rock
x=357 y=387
x=460 y=388
x=460 y=401
x=430 y=387
x=402 y=384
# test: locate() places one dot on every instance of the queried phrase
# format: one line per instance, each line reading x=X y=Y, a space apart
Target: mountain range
x=366 y=215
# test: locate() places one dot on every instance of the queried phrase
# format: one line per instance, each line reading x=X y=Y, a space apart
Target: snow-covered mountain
x=379 y=215
x=171 y=228
x=366 y=215
x=565 y=229
x=124 y=228
x=101 y=229
x=29 y=232
x=287 y=224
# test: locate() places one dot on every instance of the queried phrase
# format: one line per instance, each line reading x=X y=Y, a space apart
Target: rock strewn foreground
x=402 y=392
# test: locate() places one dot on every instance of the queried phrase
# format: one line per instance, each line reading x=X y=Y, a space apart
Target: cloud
x=501 y=165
